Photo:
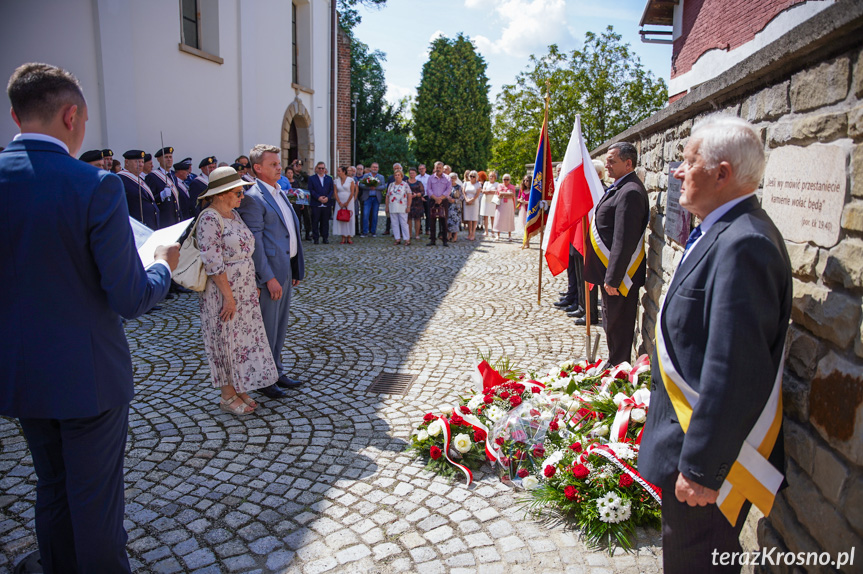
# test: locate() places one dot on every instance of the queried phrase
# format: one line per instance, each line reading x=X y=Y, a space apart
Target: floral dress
x=453 y=221
x=237 y=350
x=418 y=209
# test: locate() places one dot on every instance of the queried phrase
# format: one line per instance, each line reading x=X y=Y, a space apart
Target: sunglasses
x=239 y=193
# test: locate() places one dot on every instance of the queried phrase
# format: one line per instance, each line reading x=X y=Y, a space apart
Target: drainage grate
x=392 y=383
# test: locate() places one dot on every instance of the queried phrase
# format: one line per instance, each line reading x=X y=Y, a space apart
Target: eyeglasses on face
x=239 y=193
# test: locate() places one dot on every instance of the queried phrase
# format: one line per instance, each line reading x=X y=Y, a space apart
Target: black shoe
x=430 y=243
x=31 y=563
x=154 y=308
x=578 y=313
x=273 y=392
x=581 y=321
x=327 y=241
x=573 y=308
x=287 y=383
x=445 y=244
x=563 y=303
x=316 y=241
x=169 y=295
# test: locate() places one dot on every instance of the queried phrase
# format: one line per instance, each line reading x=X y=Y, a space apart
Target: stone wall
x=805 y=88
x=343 y=97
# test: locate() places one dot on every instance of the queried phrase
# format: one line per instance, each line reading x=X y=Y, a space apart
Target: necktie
x=693 y=237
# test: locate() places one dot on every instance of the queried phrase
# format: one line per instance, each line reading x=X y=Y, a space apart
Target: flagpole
x=541 y=207
x=584 y=241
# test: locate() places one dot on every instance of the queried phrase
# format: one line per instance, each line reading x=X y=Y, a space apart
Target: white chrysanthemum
x=475 y=402
x=625 y=511
x=435 y=427
x=494 y=413
x=622 y=450
x=553 y=459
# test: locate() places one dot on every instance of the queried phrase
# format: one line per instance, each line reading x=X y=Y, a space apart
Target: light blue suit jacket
x=68 y=270
x=272 y=258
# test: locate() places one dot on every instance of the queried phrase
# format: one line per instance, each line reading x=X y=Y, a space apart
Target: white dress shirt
x=287 y=213
x=712 y=218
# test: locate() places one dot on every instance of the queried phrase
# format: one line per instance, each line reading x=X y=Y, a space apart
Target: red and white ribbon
x=621 y=418
x=642 y=364
x=491 y=449
x=447 y=435
x=606 y=452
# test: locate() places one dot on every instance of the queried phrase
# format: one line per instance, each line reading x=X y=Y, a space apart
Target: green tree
x=452 y=115
x=604 y=82
x=382 y=131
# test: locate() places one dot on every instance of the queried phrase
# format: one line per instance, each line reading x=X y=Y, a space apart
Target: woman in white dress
x=487 y=207
x=346 y=194
x=472 y=197
x=504 y=216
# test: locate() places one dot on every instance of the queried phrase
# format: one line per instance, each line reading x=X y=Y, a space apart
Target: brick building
x=344 y=111
x=711 y=36
x=801 y=85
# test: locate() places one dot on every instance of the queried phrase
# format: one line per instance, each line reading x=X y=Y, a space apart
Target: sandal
x=241 y=409
x=350 y=242
x=407 y=242
x=248 y=400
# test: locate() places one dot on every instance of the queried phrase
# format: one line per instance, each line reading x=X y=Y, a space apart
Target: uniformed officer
x=148 y=165
x=142 y=202
x=164 y=187
x=181 y=173
x=93 y=157
x=199 y=184
x=108 y=159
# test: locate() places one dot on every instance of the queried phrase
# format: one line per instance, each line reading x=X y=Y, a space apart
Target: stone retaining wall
x=805 y=88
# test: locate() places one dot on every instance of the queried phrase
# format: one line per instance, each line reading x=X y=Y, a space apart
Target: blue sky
x=505 y=32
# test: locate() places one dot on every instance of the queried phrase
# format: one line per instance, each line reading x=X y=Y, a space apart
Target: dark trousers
x=618 y=320
x=691 y=534
x=581 y=296
x=305 y=217
x=358 y=217
x=428 y=215
x=321 y=222
x=79 y=491
x=434 y=220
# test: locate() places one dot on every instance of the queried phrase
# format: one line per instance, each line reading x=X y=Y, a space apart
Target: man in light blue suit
x=278 y=254
x=68 y=271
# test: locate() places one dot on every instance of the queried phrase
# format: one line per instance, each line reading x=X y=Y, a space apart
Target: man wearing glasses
x=322 y=191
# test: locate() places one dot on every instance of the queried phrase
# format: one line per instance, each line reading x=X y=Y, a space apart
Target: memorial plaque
x=676 y=218
x=804 y=192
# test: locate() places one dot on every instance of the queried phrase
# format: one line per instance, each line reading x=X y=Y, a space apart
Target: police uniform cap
x=134 y=154
x=92 y=155
x=163 y=151
x=185 y=163
x=238 y=166
x=147 y=157
x=207 y=161
x=107 y=152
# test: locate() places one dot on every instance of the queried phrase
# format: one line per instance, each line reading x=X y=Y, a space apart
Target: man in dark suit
x=278 y=254
x=94 y=158
x=164 y=186
x=716 y=410
x=322 y=199
x=181 y=173
x=69 y=269
x=139 y=197
x=614 y=259
x=199 y=184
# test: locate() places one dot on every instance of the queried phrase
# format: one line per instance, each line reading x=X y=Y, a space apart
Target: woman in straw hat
x=231 y=325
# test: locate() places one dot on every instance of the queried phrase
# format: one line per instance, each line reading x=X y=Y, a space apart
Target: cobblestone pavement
x=319 y=482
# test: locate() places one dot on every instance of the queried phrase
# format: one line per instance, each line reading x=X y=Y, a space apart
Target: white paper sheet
x=165 y=236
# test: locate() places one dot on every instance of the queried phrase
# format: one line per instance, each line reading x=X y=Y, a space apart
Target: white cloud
x=427 y=50
x=525 y=26
x=396 y=92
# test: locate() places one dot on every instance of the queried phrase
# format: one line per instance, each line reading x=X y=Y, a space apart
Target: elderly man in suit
x=710 y=441
x=67 y=371
x=139 y=199
x=278 y=254
x=615 y=257
x=321 y=202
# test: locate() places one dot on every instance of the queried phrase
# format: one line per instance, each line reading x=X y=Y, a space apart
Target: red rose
x=625 y=481
x=505 y=461
x=580 y=471
x=570 y=492
x=515 y=400
x=538 y=451
x=522 y=472
x=488 y=399
x=549 y=471
x=576 y=369
x=519 y=388
x=553 y=425
x=429 y=417
x=435 y=452
x=504 y=395
x=576 y=447
x=563 y=373
x=535 y=390
x=499 y=441
x=479 y=435
x=465 y=410
x=456 y=420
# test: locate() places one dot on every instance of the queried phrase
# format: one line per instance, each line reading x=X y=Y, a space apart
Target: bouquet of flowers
x=569 y=438
x=370 y=181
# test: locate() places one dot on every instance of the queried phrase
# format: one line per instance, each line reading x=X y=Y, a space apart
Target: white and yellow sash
x=751 y=477
x=603 y=253
x=137 y=181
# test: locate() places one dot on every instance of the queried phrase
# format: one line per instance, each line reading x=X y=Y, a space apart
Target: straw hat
x=224 y=179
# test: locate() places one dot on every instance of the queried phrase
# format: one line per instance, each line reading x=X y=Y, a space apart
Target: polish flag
x=578 y=191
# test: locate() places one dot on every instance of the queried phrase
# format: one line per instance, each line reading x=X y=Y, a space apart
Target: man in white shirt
x=424 y=178
x=278 y=254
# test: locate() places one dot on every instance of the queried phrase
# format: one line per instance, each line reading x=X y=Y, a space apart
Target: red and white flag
x=578 y=191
